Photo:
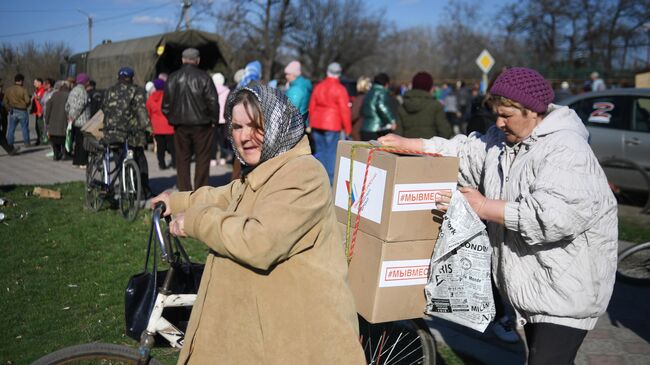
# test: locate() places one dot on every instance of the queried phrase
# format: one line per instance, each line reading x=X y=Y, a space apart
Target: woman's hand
x=177 y=225
x=162 y=198
x=442 y=202
x=492 y=210
x=474 y=197
x=393 y=140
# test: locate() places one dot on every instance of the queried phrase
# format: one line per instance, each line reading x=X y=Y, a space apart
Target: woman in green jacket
x=420 y=116
x=378 y=118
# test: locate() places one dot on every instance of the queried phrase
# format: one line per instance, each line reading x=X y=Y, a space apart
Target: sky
x=67 y=20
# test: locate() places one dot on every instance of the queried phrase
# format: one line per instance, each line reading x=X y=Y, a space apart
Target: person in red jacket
x=37 y=110
x=163 y=132
x=329 y=114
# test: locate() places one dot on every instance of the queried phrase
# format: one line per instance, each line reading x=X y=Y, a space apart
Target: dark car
x=618 y=121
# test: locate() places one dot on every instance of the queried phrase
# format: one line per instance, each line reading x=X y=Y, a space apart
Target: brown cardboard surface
x=642 y=80
x=377 y=303
x=392 y=225
x=46 y=193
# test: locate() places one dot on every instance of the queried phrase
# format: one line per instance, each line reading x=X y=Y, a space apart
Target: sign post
x=485 y=61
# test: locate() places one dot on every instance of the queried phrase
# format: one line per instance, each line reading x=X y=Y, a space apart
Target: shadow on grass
x=7 y=188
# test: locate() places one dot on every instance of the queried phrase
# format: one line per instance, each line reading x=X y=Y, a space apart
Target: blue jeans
x=15 y=117
x=325 y=143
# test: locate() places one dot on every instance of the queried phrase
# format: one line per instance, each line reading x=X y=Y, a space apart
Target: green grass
x=63 y=273
x=633 y=230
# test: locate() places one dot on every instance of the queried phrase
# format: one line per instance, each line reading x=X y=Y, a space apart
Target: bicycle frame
x=158 y=324
x=124 y=155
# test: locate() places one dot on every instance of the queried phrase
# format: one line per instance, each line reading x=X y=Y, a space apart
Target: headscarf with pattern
x=283 y=126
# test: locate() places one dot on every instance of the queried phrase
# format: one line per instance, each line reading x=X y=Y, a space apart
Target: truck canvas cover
x=149 y=56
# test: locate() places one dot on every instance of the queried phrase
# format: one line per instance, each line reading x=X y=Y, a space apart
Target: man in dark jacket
x=481 y=116
x=124 y=110
x=95 y=97
x=420 y=116
x=56 y=120
x=191 y=104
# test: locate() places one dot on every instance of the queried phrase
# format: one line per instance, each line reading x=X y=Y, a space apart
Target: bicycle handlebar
x=128 y=131
x=163 y=240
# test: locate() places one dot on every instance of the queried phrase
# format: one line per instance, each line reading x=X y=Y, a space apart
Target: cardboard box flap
x=399 y=192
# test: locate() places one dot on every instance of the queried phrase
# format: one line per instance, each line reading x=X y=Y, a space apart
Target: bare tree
x=32 y=60
x=570 y=38
x=256 y=29
x=461 y=39
x=344 y=31
x=562 y=38
x=626 y=18
x=403 y=53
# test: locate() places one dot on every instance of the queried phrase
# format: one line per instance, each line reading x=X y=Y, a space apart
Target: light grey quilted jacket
x=77 y=106
x=555 y=258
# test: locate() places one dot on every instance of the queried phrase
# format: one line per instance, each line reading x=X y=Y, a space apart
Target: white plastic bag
x=68 y=138
x=459 y=287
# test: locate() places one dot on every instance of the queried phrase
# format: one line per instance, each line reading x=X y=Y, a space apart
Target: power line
x=83 y=24
x=43 y=31
x=37 y=11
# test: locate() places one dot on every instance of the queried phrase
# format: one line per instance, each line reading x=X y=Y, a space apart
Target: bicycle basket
x=91 y=144
x=142 y=289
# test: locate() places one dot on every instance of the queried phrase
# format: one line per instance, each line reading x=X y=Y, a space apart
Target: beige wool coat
x=274 y=289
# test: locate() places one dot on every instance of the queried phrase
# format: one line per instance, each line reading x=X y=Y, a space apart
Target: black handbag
x=142 y=289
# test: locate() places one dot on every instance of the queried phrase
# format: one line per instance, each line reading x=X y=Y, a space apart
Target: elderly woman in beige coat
x=274 y=289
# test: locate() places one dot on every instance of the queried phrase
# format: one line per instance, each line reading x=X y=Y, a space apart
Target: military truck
x=149 y=56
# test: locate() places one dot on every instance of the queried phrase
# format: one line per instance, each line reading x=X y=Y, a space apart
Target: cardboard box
x=46 y=193
x=388 y=278
x=642 y=80
x=399 y=195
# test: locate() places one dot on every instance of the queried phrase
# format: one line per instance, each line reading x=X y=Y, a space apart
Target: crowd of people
x=526 y=169
x=187 y=131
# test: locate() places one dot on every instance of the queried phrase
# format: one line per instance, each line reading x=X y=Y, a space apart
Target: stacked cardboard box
x=398 y=226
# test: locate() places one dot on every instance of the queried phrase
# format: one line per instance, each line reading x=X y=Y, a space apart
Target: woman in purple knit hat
x=551 y=217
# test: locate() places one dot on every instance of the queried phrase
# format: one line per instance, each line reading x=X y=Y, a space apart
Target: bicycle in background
x=112 y=173
x=634 y=264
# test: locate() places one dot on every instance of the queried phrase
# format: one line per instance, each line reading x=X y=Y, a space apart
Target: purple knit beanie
x=159 y=84
x=525 y=86
x=82 y=79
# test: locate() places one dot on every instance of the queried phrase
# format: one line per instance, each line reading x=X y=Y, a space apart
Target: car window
x=641 y=115
x=604 y=111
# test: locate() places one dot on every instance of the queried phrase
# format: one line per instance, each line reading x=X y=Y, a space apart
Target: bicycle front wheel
x=634 y=264
x=94 y=183
x=401 y=342
x=94 y=353
x=130 y=190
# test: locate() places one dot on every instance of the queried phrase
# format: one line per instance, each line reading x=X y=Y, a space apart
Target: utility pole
x=90 y=29
x=185 y=14
x=646 y=26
